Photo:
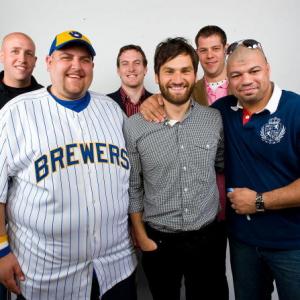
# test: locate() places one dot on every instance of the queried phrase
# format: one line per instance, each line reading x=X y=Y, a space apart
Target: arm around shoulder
x=152 y=109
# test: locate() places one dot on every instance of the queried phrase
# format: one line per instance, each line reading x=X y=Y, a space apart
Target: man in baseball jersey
x=64 y=177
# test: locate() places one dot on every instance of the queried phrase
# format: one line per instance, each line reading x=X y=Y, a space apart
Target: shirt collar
x=272 y=103
x=171 y=123
x=126 y=98
x=224 y=85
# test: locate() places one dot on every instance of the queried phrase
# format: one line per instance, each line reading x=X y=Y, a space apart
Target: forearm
x=285 y=197
x=4 y=244
x=138 y=225
x=2 y=219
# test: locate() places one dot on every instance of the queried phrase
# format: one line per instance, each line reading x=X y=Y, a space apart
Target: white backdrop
x=114 y=23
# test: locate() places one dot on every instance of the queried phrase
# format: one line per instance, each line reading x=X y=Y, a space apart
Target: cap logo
x=75 y=34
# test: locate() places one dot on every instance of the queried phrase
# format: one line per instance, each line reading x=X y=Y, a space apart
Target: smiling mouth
x=132 y=76
x=249 y=88
x=74 y=76
x=177 y=89
x=20 y=68
x=248 y=91
x=211 y=63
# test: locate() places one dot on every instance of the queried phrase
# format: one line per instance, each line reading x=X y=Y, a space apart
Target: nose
x=22 y=56
x=246 y=79
x=177 y=78
x=209 y=53
x=76 y=63
x=131 y=67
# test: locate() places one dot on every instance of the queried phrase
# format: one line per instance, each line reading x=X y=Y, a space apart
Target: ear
x=225 y=48
x=146 y=70
x=1 y=57
x=156 y=78
x=269 y=69
x=35 y=60
x=48 y=61
x=196 y=78
x=118 y=71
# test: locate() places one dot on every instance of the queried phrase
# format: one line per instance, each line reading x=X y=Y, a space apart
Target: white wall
x=114 y=23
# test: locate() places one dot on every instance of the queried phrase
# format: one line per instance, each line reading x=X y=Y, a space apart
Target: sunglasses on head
x=249 y=43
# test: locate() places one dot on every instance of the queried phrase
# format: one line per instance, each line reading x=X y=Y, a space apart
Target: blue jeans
x=254 y=269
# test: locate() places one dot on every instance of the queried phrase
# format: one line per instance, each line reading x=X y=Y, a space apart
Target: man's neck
x=16 y=83
x=134 y=93
x=176 y=112
x=217 y=78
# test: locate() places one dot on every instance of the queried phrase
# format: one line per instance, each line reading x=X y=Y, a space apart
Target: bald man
x=17 y=55
x=262 y=134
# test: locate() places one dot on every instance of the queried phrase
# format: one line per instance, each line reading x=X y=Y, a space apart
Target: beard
x=176 y=99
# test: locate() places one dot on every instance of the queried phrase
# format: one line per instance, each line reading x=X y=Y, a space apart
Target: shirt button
x=185 y=189
x=184 y=168
x=247 y=117
x=182 y=147
x=186 y=210
x=207 y=146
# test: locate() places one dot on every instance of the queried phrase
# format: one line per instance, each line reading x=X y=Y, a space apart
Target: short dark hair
x=210 y=30
x=172 y=47
x=132 y=47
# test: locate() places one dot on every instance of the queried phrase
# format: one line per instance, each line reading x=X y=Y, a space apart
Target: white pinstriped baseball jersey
x=67 y=203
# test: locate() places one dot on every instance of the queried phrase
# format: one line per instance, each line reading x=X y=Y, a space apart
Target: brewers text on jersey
x=74 y=154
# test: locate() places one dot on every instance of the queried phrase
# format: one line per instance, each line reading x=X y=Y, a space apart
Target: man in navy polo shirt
x=262 y=170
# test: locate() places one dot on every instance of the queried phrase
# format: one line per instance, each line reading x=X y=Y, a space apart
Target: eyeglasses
x=251 y=44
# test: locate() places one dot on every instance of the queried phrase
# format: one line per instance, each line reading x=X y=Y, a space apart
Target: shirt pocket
x=203 y=156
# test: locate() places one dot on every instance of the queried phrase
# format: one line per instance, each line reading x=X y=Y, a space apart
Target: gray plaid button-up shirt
x=172 y=178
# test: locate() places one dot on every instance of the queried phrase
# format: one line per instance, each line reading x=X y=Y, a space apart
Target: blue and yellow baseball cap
x=71 y=37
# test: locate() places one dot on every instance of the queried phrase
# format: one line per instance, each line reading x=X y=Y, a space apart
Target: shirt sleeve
x=3 y=160
x=136 y=188
x=219 y=161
